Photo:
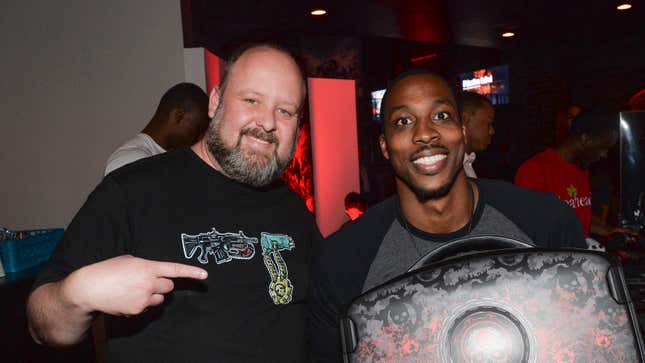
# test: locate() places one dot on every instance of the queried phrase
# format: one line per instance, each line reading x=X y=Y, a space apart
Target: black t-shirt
x=380 y=245
x=255 y=245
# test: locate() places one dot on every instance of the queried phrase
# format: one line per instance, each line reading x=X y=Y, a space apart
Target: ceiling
x=465 y=22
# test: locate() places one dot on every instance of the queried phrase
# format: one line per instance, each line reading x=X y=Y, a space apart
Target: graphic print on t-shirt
x=280 y=288
x=574 y=201
x=224 y=247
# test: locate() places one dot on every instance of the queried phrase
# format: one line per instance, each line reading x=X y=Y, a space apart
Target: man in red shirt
x=563 y=170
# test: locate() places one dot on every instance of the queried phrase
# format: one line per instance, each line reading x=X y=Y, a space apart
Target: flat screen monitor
x=376 y=98
x=491 y=82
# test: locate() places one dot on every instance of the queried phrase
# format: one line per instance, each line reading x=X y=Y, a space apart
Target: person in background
x=563 y=119
x=563 y=170
x=423 y=140
x=355 y=206
x=180 y=120
x=199 y=254
x=477 y=116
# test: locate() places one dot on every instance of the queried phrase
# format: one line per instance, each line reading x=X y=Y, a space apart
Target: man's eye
x=402 y=121
x=250 y=101
x=442 y=115
x=285 y=113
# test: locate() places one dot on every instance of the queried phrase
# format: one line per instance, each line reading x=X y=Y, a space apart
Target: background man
x=477 y=116
x=423 y=139
x=218 y=205
x=563 y=119
x=180 y=120
x=564 y=170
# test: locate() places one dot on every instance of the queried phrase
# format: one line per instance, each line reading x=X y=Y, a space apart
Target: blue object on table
x=29 y=248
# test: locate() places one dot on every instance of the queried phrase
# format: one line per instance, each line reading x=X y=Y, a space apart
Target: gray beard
x=244 y=167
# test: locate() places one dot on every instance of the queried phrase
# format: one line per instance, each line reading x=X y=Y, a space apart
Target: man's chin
x=427 y=192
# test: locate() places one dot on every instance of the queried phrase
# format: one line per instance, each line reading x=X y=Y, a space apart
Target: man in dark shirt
x=423 y=139
x=133 y=249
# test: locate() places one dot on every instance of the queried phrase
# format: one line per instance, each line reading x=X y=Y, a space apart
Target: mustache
x=260 y=134
x=434 y=148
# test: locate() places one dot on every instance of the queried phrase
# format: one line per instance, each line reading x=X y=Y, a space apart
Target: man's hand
x=124 y=285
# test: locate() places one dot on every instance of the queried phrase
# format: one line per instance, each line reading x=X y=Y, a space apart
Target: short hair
x=416 y=72
x=353 y=199
x=471 y=101
x=243 y=48
x=184 y=95
x=595 y=123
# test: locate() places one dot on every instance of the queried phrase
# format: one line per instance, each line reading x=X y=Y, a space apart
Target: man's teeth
x=260 y=140
x=428 y=160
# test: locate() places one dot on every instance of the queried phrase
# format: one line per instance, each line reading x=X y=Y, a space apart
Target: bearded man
x=198 y=254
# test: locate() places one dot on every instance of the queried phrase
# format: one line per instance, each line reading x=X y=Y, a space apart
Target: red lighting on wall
x=334 y=144
x=213 y=65
x=637 y=101
x=299 y=174
x=423 y=57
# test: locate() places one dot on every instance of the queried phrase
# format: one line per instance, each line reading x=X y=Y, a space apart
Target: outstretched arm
x=59 y=313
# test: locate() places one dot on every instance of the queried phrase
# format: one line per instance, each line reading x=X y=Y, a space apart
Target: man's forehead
x=258 y=67
x=422 y=85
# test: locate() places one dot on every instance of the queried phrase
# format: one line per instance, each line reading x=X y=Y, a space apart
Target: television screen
x=377 y=97
x=490 y=82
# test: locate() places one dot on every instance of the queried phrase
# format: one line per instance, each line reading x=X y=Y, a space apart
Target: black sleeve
x=567 y=231
x=338 y=273
x=99 y=230
x=324 y=311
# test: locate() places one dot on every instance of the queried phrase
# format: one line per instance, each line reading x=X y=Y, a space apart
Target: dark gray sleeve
x=567 y=230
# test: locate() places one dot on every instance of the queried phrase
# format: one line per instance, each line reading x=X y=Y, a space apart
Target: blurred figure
x=564 y=170
x=477 y=117
x=180 y=120
x=355 y=205
x=563 y=119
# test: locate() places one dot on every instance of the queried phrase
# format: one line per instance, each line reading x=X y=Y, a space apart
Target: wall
x=77 y=80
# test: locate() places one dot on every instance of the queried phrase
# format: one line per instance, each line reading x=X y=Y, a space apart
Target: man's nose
x=267 y=119
x=425 y=132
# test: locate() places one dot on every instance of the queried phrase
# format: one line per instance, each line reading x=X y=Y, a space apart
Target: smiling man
x=199 y=254
x=423 y=139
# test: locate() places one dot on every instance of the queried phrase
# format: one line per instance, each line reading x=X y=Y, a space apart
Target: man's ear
x=465 y=117
x=383 y=145
x=213 y=101
x=464 y=132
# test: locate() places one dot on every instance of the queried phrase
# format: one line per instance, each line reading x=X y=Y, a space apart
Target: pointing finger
x=171 y=269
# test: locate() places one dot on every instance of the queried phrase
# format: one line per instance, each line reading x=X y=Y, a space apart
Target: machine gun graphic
x=223 y=246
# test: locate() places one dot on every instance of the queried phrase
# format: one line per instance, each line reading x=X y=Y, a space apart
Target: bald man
x=199 y=254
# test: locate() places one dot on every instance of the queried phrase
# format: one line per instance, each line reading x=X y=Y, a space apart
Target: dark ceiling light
x=624 y=6
x=318 y=12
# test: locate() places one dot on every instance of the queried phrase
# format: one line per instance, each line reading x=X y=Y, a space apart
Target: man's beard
x=243 y=166
x=442 y=191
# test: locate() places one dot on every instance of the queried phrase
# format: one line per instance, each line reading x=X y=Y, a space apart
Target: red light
x=423 y=57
